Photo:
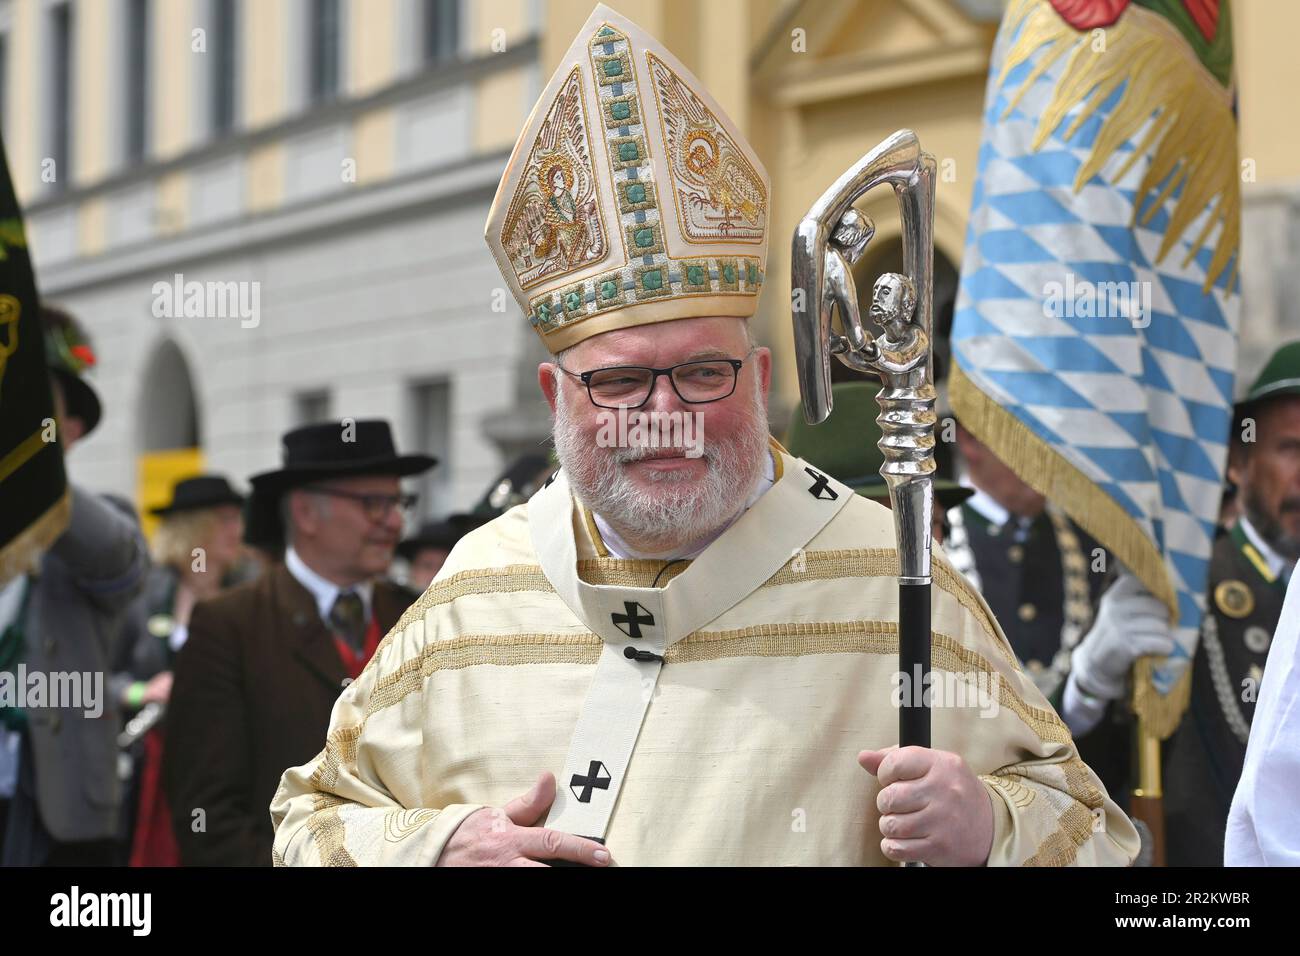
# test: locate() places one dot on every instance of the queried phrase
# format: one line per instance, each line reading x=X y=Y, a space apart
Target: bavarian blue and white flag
x=1095 y=332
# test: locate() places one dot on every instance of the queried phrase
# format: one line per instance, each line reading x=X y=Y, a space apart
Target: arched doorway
x=171 y=436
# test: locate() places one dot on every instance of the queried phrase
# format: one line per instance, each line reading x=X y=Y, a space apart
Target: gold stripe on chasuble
x=326 y=829
x=766 y=640
x=340 y=749
x=883 y=563
x=629 y=573
x=860 y=637
x=814 y=566
x=795 y=639
x=769 y=640
x=507 y=579
x=1019 y=795
x=1061 y=848
x=1075 y=825
x=513 y=578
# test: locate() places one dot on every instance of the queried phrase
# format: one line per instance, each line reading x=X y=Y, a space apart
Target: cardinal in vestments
x=683 y=649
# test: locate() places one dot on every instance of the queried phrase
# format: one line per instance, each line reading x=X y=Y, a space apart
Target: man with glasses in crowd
x=674 y=653
x=263 y=665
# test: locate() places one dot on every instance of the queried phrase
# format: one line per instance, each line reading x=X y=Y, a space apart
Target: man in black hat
x=264 y=662
x=1249 y=571
x=60 y=796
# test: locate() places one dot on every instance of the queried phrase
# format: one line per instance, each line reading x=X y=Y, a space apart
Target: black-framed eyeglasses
x=630 y=386
x=377 y=507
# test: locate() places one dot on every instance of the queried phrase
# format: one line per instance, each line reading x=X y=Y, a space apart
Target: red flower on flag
x=1087 y=14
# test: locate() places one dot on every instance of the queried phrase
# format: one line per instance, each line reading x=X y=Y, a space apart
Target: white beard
x=679 y=510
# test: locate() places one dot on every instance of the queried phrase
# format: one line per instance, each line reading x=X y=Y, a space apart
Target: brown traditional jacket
x=254 y=686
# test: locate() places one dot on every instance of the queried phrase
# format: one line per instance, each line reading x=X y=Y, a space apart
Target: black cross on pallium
x=822 y=483
x=632 y=619
x=592 y=781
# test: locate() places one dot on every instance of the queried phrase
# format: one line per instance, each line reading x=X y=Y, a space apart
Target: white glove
x=1131 y=623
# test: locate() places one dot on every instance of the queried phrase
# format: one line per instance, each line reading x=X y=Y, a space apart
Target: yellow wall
x=500 y=109
x=171 y=76
x=92 y=227
x=91 y=143
x=946 y=118
x=22 y=133
x=727 y=78
x=1268 y=73
x=173 y=202
x=264 y=27
x=158 y=473
x=481 y=17
x=372 y=145
x=265 y=183
x=565 y=17
x=371 y=58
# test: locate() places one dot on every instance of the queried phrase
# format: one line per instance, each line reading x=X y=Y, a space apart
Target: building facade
x=328 y=165
x=269 y=212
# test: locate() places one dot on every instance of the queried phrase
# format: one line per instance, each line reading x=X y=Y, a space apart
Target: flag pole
x=1146 y=803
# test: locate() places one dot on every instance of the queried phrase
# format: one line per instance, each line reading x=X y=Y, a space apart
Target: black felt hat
x=203 y=491
x=325 y=450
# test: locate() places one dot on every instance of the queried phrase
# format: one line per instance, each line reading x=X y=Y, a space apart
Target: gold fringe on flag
x=1191 y=124
x=1159 y=712
x=21 y=555
x=1048 y=472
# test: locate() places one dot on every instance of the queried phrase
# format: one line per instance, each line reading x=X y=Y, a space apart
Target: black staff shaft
x=914 y=664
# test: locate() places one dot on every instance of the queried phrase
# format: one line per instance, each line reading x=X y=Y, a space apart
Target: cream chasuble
x=638 y=625
x=713 y=719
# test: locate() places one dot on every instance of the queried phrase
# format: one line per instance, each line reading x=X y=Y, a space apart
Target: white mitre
x=630 y=197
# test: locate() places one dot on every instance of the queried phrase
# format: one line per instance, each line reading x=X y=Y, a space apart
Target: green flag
x=34 y=500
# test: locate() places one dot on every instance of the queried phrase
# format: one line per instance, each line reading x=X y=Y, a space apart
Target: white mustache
x=641 y=452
